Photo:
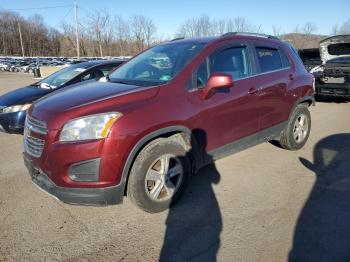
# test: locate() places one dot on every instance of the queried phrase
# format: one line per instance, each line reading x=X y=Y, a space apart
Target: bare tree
x=345 y=28
x=122 y=35
x=205 y=26
x=309 y=28
x=276 y=31
x=142 y=31
x=335 y=30
x=98 y=25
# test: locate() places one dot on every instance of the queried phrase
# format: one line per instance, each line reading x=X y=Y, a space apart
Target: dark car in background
x=13 y=105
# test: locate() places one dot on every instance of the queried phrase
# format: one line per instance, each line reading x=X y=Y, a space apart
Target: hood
x=85 y=99
x=22 y=96
x=334 y=47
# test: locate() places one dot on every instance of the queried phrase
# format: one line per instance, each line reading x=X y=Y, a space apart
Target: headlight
x=88 y=127
x=17 y=108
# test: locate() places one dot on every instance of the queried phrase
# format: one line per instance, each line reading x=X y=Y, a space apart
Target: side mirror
x=217 y=81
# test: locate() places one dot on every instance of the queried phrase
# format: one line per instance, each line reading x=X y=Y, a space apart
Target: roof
x=228 y=35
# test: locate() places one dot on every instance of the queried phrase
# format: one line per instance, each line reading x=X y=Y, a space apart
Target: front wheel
x=297 y=131
x=159 y=175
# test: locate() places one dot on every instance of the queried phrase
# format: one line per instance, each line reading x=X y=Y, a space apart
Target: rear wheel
x=159 y=175
x=297 y=131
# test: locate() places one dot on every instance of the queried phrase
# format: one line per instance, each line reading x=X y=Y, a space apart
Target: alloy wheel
x=164 y=177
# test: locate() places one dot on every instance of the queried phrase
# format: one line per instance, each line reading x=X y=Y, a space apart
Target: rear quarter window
x=284 y=58
x=269 y=59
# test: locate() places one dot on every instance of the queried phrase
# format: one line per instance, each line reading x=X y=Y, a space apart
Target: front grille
x=32 y=145
x=36 y=125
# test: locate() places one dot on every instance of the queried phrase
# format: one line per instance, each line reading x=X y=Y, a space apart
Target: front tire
x=159 y=175
x=297 y=131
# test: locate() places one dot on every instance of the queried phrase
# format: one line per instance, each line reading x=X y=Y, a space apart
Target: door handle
x=252 y=91
x=291 y=77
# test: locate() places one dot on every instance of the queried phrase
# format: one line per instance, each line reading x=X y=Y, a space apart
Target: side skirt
x=246 y=142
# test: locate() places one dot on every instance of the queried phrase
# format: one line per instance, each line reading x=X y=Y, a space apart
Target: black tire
x=288 y=140
x=138 y=189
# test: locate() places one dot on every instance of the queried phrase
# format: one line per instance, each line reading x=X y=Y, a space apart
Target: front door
x=230 y=114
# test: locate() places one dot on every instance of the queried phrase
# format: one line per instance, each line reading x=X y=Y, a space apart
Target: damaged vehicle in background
x=333 y=75
x=310 y=57
x=14 y=104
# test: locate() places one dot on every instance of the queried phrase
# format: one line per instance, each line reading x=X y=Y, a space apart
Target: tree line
x=103 y=34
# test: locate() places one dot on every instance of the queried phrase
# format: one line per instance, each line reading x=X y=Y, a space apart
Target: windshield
x=60 y=77
x=344 y=59
x=157 y=65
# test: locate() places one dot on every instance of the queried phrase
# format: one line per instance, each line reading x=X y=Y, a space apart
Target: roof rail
x=249 y=34
x=178 y=38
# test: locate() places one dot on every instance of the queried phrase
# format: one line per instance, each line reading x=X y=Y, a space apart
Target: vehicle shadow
x=322 y=232
x=194 y=224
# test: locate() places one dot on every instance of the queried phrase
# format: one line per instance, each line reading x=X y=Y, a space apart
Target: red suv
x=156 y=120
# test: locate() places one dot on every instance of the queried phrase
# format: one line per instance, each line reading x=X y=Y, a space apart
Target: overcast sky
x=168 y=15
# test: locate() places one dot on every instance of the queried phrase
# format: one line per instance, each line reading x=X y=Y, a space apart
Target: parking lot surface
x=262 y=204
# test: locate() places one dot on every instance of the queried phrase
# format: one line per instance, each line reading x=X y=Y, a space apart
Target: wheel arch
x=179 y=132
x=309 y=100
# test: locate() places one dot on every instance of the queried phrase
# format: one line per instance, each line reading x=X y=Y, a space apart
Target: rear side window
x=284 y=58
x=269 y=59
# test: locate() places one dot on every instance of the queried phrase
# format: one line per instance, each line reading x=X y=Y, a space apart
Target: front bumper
x=12 y=123
x=334 y=89
x=82 y=196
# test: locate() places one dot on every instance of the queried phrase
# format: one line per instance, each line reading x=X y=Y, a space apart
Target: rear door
x=272 y=80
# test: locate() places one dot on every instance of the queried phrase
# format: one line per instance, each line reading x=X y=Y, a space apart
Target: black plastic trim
x=85 y=171
x=249 y=141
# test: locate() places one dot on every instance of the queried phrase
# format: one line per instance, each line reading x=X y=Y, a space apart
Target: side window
x=284 y=58
x=86 y=77
x=233 y=61
x=94 y=74
x=269 y=59
x=105 y=70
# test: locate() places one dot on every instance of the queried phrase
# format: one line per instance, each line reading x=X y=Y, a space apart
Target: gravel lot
x=262 y=204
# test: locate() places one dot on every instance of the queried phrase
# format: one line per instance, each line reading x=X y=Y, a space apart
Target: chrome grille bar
x=36 y=125
x=32 y=145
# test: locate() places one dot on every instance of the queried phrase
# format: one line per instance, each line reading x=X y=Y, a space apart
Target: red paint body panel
x=228 y=115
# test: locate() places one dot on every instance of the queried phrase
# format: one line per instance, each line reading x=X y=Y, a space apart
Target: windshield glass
x=344 y=59
x=61 y=77
x=157 y=65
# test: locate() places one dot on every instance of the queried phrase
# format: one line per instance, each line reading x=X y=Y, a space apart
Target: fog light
x=85 y=171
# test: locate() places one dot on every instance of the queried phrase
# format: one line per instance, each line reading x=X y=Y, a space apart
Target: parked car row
x=146 y=127
x=27 y=65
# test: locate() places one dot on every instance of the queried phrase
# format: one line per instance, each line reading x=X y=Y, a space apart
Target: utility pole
x=76 y=28
x=20 y=37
